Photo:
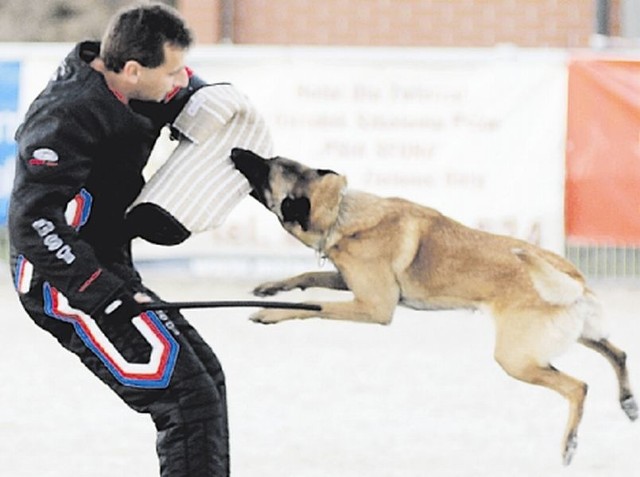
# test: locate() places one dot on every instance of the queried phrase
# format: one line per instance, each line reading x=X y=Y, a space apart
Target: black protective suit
x=79 y=167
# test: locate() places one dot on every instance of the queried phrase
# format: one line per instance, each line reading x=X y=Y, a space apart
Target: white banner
x=476 y=134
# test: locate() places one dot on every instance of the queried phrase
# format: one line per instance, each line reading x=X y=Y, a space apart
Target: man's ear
x=296 y=209
x=131 y=71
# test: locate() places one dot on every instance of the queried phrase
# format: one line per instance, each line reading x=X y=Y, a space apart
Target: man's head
x=147 y=44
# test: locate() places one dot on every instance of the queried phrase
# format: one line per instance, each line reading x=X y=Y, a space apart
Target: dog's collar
x=321 y=254
x=321 y=246
x=321 y=257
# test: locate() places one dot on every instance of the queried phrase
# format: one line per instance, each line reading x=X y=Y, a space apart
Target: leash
x=177 y=305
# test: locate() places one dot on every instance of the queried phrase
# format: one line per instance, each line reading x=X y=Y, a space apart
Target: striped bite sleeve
x=198 y=184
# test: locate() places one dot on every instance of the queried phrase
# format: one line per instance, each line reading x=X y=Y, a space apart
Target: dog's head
x=305 y=200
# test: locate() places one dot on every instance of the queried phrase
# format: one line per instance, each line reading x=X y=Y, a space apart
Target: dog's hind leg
x=618 y=360
x=594 y=336
x=572 y=389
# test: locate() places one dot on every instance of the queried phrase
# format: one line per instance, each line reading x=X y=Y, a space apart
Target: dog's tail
x=553 y=285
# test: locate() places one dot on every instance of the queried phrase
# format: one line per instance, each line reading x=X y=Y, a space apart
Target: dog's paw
x=268 y=317
x=274 y=315
x=630 y=407
x=261 y=320
x=570 y=446
x=268 y=289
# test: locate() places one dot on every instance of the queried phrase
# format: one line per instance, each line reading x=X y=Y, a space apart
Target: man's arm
x=54 y=161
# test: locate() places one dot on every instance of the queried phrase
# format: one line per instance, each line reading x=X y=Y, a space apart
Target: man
x=81 y=151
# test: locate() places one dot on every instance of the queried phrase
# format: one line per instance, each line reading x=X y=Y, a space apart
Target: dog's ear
x=296 y=209
x=325 y=200
x=324 y=172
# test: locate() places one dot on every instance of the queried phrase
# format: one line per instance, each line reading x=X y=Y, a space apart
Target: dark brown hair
x=140 y=33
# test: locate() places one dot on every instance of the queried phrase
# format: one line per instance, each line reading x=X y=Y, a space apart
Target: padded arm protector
x=198 y=186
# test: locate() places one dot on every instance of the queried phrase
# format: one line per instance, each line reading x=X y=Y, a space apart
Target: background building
x=434 y=23
x=431 y=23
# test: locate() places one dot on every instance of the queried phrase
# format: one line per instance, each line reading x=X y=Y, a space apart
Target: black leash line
x=177 y=305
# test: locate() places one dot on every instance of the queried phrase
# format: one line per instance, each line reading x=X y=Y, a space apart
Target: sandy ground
x=420 y=397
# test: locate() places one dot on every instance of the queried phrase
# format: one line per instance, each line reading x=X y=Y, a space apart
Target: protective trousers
x=158 y=364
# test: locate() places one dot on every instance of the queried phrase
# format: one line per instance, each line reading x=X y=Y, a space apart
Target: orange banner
x=602 y=197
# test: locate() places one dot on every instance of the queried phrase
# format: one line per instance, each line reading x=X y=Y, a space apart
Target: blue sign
x=9 y=120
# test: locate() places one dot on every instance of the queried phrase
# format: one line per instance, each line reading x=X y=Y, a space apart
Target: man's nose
x=182 y=79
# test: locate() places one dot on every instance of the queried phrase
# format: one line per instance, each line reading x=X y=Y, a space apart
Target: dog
x=390 y=251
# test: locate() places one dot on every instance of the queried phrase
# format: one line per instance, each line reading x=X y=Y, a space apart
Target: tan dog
x=389 y=251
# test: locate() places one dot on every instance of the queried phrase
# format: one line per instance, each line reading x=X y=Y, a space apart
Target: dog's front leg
x=344 y=311
x=375 y=292
x=331 y=280
x=271 y=316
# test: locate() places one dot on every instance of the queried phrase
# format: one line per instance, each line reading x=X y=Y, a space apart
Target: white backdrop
x=477 y=134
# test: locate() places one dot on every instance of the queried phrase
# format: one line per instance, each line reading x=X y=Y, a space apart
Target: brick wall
x=204 y=17
x=438 y=23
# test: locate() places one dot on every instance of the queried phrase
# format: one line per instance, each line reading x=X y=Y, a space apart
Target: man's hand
x=125 y=307
x=142 y=298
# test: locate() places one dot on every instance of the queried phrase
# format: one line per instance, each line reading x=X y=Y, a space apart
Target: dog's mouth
x=255 y=169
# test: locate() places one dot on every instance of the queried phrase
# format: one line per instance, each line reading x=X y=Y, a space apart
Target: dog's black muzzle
x=255 y=169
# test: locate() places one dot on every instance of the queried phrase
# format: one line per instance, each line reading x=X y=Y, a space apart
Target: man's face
x=155 y=83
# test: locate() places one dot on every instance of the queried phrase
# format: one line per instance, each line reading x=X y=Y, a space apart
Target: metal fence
x=605 y=261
